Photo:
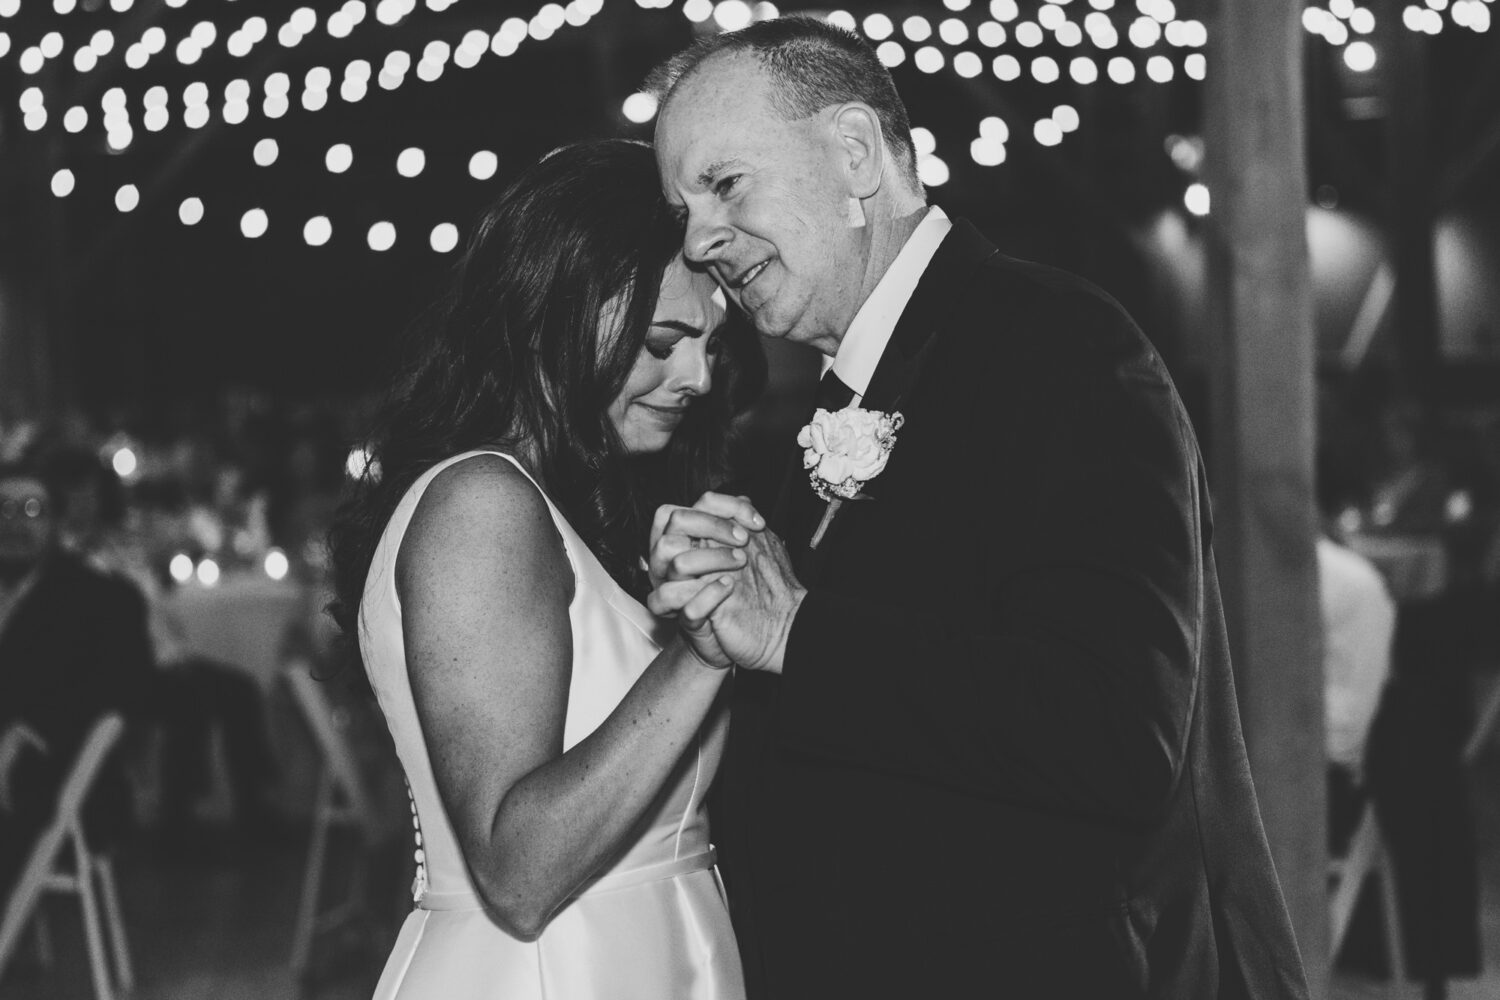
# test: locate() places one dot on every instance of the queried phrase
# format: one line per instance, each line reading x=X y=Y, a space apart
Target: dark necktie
x=833 y=393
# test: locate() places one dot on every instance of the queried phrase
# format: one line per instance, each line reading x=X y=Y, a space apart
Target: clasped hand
x=726 y=578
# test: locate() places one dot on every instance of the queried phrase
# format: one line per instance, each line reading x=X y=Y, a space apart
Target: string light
x=127 y=198
x=840 y=19
x=639 y=107
x=1197 y=200
x=890 y=54
x=1004 y=10
x=991 y=34
x=929 y=59
x=190 y=211
x=339 y=158
x=923 y=142
x=411 y=162
x=381 y=237
x=1121 y=70
x=181 y=567
x=1044 y=70
x=878 y=27
x=483 y=164
x=732 y=15
x=318 y=231
x=932 y=171
x=444 y=237
x=254 y=223
x=1360 y=56
x=63 y=182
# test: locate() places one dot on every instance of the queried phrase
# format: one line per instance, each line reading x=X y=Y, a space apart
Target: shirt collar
x=864 y=342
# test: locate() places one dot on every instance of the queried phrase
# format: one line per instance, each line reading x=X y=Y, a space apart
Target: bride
x=557 y=740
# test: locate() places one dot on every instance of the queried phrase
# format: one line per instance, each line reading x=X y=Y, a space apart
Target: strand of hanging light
x=1345 y=25
x=436 y=54
x=317 y=231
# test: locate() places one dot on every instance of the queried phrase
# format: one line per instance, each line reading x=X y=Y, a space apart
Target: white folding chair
x=343 y=802
x=1486 y=726
x=1367 y=855
x=92 y=878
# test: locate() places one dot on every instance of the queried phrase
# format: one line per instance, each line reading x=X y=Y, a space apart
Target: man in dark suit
x=985 y=739
x=73 y=645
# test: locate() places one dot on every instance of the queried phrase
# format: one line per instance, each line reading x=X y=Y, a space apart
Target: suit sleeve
x=1075 y=688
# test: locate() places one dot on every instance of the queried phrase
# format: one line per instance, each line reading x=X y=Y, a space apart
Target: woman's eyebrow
x=685 y=328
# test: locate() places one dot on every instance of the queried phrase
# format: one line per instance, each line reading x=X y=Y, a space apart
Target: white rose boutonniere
x=842 y=451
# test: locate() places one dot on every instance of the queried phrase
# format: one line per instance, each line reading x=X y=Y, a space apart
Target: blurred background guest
x=73 y=646
x=189 y=696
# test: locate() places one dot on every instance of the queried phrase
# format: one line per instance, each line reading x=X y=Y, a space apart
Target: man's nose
x=706 y=242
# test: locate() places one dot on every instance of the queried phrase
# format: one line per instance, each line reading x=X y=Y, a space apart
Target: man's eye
x=726 y=184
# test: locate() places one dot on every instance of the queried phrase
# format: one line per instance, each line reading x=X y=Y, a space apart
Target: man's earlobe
x=855 y=213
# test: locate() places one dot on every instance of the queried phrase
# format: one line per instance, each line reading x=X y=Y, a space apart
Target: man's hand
x=752 y=622
x=19 y=737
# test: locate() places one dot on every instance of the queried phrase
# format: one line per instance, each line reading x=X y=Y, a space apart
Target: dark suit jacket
x=1004 y=756
x=76 y=647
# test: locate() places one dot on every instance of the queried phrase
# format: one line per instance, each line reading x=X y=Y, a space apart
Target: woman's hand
x=691 y=542
x=695 y=552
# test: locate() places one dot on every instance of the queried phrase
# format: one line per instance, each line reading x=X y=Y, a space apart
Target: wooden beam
x=1262 y=368
x=1410 y=200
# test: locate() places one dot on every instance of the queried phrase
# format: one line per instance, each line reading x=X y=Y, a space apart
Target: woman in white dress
x=557 y=740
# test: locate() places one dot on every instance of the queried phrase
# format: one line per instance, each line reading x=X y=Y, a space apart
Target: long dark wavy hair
x=519 y=355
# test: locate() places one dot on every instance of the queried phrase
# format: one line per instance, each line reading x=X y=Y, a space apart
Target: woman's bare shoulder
x=483 y=514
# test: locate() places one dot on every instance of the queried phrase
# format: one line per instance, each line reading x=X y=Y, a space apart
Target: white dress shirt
x=859 y=352
x=1359 y=620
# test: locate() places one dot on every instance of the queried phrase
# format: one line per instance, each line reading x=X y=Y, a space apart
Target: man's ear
x=862 y=146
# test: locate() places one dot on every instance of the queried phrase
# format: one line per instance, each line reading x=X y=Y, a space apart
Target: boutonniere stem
x=832 y=509
x=844 y=450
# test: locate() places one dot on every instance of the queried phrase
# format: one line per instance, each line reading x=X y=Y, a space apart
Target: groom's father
x=985 y=739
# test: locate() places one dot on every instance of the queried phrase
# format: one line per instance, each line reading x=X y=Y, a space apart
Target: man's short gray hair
x=811 y=65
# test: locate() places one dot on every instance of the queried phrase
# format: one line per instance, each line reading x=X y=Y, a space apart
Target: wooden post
x=1410 y=200
x=1261 y=377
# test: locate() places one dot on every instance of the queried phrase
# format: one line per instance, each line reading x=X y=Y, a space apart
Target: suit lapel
x=961 y=253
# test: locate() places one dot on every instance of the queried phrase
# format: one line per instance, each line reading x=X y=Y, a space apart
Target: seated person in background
x=73 y=646
x=189 y=695
x=1359 y=623
x=1359 y=620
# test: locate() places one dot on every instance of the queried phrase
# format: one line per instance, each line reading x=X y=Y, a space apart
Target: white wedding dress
x=654 y=925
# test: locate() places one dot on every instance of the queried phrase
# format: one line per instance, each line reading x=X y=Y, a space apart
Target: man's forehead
x=725 y=84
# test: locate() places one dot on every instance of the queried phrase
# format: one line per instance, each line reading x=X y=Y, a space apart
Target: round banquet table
x=241 y=621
